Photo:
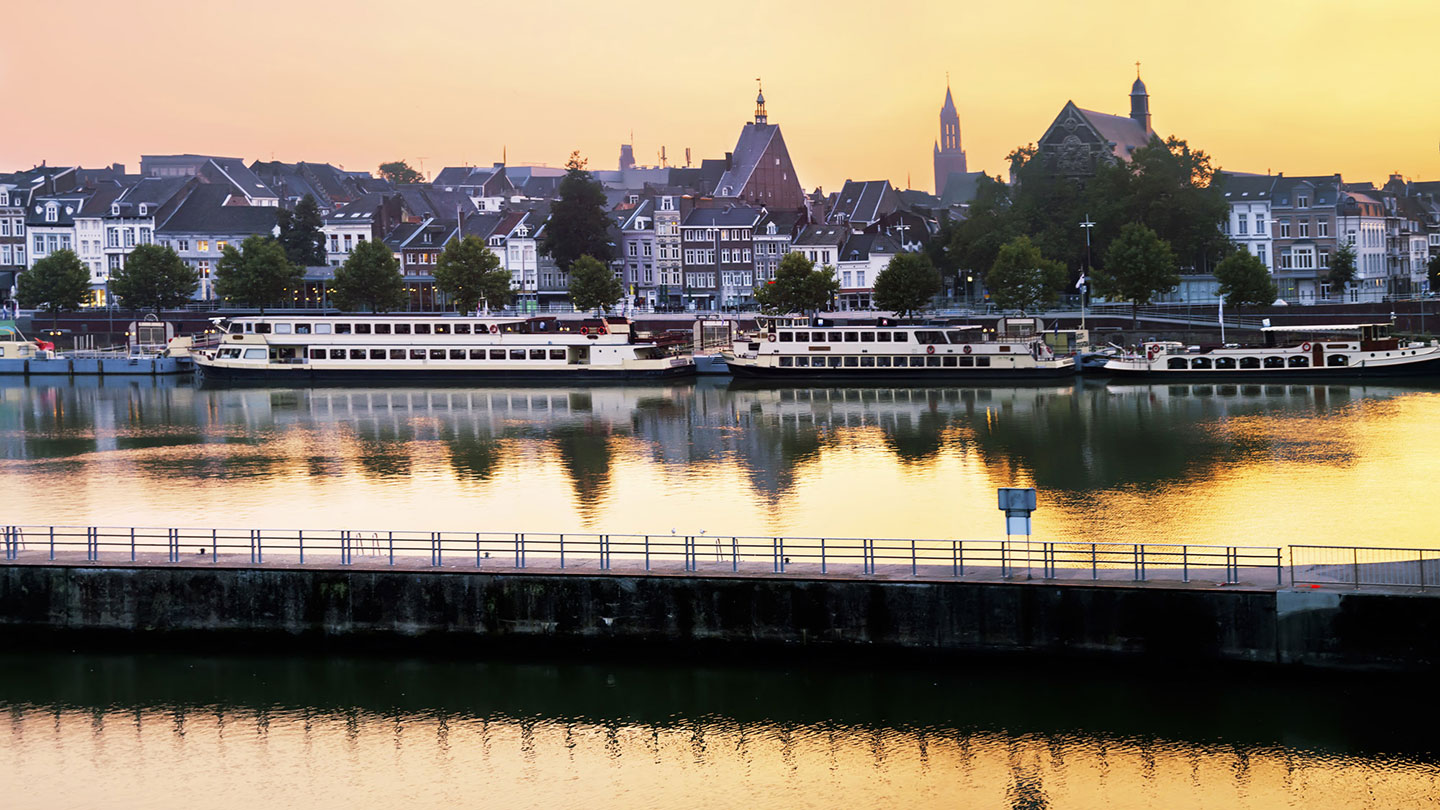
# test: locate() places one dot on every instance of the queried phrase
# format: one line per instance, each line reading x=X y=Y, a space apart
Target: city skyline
x=270 y=87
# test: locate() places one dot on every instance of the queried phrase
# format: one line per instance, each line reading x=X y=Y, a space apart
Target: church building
x=949 y=157
x=1079 y=140
x=759 y=171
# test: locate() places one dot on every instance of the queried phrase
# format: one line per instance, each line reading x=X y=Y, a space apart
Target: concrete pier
x=462 y=611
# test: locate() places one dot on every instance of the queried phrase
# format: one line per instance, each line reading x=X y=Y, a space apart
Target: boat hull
x=95 y=367
x=1429 y=367
x=301 y=375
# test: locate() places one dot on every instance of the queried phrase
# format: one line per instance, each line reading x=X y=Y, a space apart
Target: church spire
x=760 y=117
x=1140 y=101
x=949 y=101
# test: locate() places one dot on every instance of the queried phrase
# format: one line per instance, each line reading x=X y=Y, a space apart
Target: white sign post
x=1017 y=503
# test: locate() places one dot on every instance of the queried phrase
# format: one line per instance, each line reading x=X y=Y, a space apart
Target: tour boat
x=1328 y=352
x=328 y=348
x=1015 y=350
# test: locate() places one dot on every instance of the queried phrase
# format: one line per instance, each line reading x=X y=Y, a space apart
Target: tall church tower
x=1140 y=101
x=949 y=157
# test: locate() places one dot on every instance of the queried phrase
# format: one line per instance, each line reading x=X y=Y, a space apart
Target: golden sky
x=1300 y=86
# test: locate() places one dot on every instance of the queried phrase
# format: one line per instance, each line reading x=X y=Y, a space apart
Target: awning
x=1334 y=327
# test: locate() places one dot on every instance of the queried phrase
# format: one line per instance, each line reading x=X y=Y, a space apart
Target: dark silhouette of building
x=949 y=157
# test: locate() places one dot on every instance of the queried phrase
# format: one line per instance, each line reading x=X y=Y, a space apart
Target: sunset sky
x=1299 y=86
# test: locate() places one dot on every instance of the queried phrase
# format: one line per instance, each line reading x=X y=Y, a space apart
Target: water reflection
x=175 y=731
x=1194 y=462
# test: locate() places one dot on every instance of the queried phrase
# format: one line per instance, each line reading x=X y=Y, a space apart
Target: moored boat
x=1338 y=351
x=883 y=351
x=335 y=348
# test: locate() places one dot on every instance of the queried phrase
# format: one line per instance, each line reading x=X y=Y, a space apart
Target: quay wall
x=588 y=613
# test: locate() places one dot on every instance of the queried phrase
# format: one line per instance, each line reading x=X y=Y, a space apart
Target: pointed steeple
x=760 y=117
x=949 y=101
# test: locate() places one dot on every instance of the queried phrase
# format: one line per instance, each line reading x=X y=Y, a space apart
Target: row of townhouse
x=1295 y=225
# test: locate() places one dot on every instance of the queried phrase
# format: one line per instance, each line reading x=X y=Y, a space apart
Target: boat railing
x=665 y=553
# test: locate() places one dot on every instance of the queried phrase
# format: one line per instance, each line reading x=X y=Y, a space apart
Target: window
x=281 y=329
x=302 y=328
x=400 y=328
x=867 y=361
x=1224 y=363
x=5 y=227
x=1323 y=227
x=202 y=245
x=417 y=354
x=1284 y=228
x=255 y=354
x=1177 y=363
x=852 y=361
x=1274 y=362
x=334 y=243
x=787 y=362
x=833 y=337
x=422 y=328
x=1244 y=224
x=1335 y=360
x=145 y=237
x=497 y=354
x=317 y=354
x=557 y=354
x=437 y=354
x=357 y=354
x=982 y=361
x=457 y=354
x=52 y=212
x=1301 y=361
x=517 y=354
x=852 y=337
x=1260 y=252
x=397 y=354
x=39 y=246
x=901 y=337
x=787 y=337
x=1325 y=257
x=1200 y=362
x=1302 y=201
x=1259 y=224
x=377 y=354
x=462 y=328
x=1304 y=229
x=948 y=360
x=441 y=329
x=932 y=360
x=867 y=337
x=803 y=362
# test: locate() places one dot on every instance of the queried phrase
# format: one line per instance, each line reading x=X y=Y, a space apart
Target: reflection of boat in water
x=1308 y=353
x=302 y=349
x=852 y=353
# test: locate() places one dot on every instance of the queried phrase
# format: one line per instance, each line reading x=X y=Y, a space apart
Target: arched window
x=1299 y=361
x=1247 y=363
x=1274 y=362
x=1225 y=363
x=1200 y=362
x=1337 y=360
x=1177 y=363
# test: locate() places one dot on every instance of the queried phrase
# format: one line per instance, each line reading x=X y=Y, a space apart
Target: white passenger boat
x=334 y=348
x=1339 y=351
x=1015 y=350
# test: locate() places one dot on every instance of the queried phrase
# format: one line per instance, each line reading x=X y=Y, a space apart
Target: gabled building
x=717 y=252
x=861 y=204
x=488 y=189
x=861 y=259
x=774 y=235
x=50 y=223
x=12 y=234
x=366 y=218
x=1248 y=223
x=1304 y=235
x=821 y=244
x=90 y=236
x=132 y=216
x=759 y=171
x=1080 y=140
x=636 y=224
x=202 y=225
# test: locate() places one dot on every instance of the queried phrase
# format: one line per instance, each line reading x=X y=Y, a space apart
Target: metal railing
x=839 y=557
x=1358 y=566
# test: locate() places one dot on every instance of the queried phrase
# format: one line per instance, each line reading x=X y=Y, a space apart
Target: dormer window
x=144 y=209
x=52 y=212
x=1302 y=201
x=114 y=209
x=4 y=198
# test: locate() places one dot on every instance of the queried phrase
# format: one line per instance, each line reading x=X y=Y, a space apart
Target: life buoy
x=929 y=349
x=771 y=337
x=1305 y=347
x=584 y=330
x=494 y=328
x=1152 y=352
x=967 y=349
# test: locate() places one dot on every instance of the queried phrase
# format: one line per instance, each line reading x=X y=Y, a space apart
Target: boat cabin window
x=956 y=336
x=517 y=354
x=457 y=354
x=302 y=328
x=401 y=328
x=1200 y=362
x=787 y=337
x=335 y=354
x=397 y=354
x=442 y=328
x=948 y=361
x=537 y=354
x=362 y=328
x=930 y=337
x=852 y=360
x=1225 y=362
x=357 y=354
x=282 y=328
x=382 y=328
x=966 y=361
x=462 y=328
x=802 y=337
x=341 y=329
x=851 y=337
x=317 y=354
x=801 y=362
x=833 y=337
x=882 y=362
x=1274 y=362
x=1337 y=360
x=437 y=354
x=867 y=337
x=932 y=360
x=787 y=361
x=917 y=360
x=883 y=337
x=1299 y=361
x=377 y=354
x=867 y=362
x=417 y=354
x=255 y=354
x=322 y=328
x=1177 y=363
x=422 y=328
x=261 y=329
x=497 y=354
x=902 y=337
x=1004 y=348
x=557 y=354
x=1249 y=362
x=982 y=361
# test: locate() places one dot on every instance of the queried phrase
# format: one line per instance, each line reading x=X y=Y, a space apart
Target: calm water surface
x=127 y=731
x=1222 y=464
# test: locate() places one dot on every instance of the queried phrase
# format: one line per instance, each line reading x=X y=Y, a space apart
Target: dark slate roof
x=1240 y=187
x=730 y=216
x=245 y=180
x=1323 y=188
x=911 y=199
x=423 y=200
x=482 y=224
x=860 y=245
x=864 y=202
x=1125 y=132
x=754 y=140
x=644 y=209
x=99 y=203
x=363 y=208
x=786 y=222
x=155 y=191
x=960 y=188
x=821 y=235
x=543 y=188
x=400 y=234
x=205 y=212
x=67 y=206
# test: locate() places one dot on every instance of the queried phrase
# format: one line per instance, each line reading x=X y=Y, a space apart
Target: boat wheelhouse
x=1311 y=352
x=879 y=351
x=302 y=349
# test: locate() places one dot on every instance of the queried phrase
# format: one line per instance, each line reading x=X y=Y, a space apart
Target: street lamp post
x=1084 y=284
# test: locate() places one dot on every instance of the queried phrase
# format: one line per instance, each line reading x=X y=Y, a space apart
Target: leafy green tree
x=399 y=172
x=369 y=279
x=154 y=277
x=57 y=282
x=1342 y=269
x=990 y=223
x=798 y=287
x=1138 y=265
x=593 y=285
x=1170 y=188
x=907 y=284
x=258 y=274
x=469 y=272
x=1022 y=278
x=1244 y=280
x=301 y=234
x=578 y=224
x=1433 y=269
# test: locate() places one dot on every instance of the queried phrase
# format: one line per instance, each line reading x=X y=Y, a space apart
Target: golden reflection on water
x=1210 y=464
x=225 y=758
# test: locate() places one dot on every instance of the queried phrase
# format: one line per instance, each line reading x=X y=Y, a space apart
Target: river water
x=1227 y=464
x=1261 y=465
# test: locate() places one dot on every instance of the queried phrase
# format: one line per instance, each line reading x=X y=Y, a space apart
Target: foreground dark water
x=168 y=731
x=1210 y=464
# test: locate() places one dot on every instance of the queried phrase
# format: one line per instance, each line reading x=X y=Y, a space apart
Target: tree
x=469 y=272
x=1244 y=279
x=1433 y=269
x=1138 y=264
x=1342 y=269
x=57 y=282
x=399 y=172
x=906 y=284
x=154 y=278
x=369 y=278
x=798 y=287
x=1022 y=278
x=258 y=274
x=578 y=224
x=301 y=234
x=593 y=285
x=989 y=224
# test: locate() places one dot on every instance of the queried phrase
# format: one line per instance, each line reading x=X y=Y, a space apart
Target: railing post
x=823 y=568
x=435 y=557
x=477 y=549
x=392 y=548
x=647 y=552
x=1422 y=569
x=300 y=541
x=562 y=552
x=1094 y=561
x=1185 y=563
x=734 y=554
x=52 y=543
x=914 y=564
x=780 y=552
x=1355 y=566
x=214 y=545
